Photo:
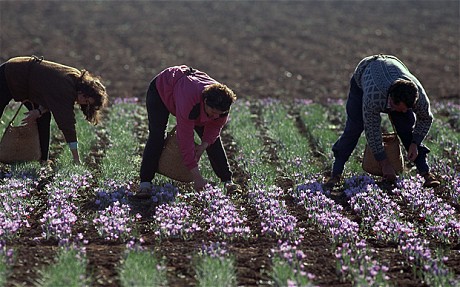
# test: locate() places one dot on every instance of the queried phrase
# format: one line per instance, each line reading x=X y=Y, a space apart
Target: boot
x=332 y=181
x=232 y=187
x=144 y=191
x=430 y=180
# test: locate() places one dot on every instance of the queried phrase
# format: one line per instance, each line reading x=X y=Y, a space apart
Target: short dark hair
x=404 y=91
x=219 y=96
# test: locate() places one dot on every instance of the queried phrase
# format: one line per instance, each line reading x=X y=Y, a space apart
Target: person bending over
x=199 y=104
x=383 y=84
x=47 y=88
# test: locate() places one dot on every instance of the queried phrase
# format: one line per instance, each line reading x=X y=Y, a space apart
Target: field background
x=286 y=49
x=261 y=49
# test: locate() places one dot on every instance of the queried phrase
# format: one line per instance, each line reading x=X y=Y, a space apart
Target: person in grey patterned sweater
x=383 y=84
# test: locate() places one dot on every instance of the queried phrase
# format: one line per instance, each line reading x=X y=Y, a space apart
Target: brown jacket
x=48 y=84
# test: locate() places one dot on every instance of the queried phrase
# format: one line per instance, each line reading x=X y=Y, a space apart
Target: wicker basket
x=20 y=143
x=393 y=152
x=171 y=163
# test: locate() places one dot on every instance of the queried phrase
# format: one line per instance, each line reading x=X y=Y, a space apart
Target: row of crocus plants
x=277 y=148
x=324 y=213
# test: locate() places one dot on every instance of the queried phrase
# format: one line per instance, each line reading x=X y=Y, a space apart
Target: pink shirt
x=181 y=93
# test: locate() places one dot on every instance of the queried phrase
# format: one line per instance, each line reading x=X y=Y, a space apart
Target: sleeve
x=65 y=120
x=424 y=117
x=63 y=114
x=186 y=141
x=212 y=130
x=185 y=127
x=372 y=121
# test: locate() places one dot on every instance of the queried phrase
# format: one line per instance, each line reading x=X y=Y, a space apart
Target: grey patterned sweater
x=374 y=75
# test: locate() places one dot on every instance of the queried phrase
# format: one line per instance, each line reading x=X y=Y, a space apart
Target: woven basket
x=171 y=163
x=20 y=143
x=393 y=152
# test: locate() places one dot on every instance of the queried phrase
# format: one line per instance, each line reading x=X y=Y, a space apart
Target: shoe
x=332 y=181
x=143 y=194
x=47 y=162
x=430 y=180
x=145 y=191
x=231 y=187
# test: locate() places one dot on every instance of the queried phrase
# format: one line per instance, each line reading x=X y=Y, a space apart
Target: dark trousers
x=43 y=123
x=354 y=126
x=158 y=116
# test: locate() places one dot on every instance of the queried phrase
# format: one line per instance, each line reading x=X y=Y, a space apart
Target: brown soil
x=284 y=49
x=289 y=49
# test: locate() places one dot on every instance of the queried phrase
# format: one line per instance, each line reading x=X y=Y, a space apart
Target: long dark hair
x=92 y=87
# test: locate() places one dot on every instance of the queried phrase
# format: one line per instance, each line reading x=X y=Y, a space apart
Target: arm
x=33 y=115
x=424 y=117
x=388 y=171
x=198 y=181
x=211 y=133
x=74 y=150
x=212 y=130
x=412 y=153
x=186 y=142
x=41 y=109
x=199 y=150
x=65 y=120
x=190 y=153
x=372 y=121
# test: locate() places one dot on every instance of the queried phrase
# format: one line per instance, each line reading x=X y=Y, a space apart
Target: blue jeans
x=354 y=126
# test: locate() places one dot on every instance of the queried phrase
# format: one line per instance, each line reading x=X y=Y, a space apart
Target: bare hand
x=199 y=149
x=76 y=156
x=387 y=170
x=198 y=181
x=199 y=184
x=31 y=117
x=413 y=152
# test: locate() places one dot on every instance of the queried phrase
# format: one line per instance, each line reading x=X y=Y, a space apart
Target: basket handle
x=394 y=128
x=15 y=115
x=12 y=120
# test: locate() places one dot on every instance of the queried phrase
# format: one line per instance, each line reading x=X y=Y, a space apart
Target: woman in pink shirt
x=199 y=104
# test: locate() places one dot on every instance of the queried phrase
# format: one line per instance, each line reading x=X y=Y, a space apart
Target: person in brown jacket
x=48 y=88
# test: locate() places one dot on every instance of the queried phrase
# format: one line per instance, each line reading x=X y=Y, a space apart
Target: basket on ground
x=20 y=143
x=393 y=152
x=171 y=163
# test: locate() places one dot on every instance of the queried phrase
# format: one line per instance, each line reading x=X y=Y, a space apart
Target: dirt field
x=304 y=49
x=283 y=49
